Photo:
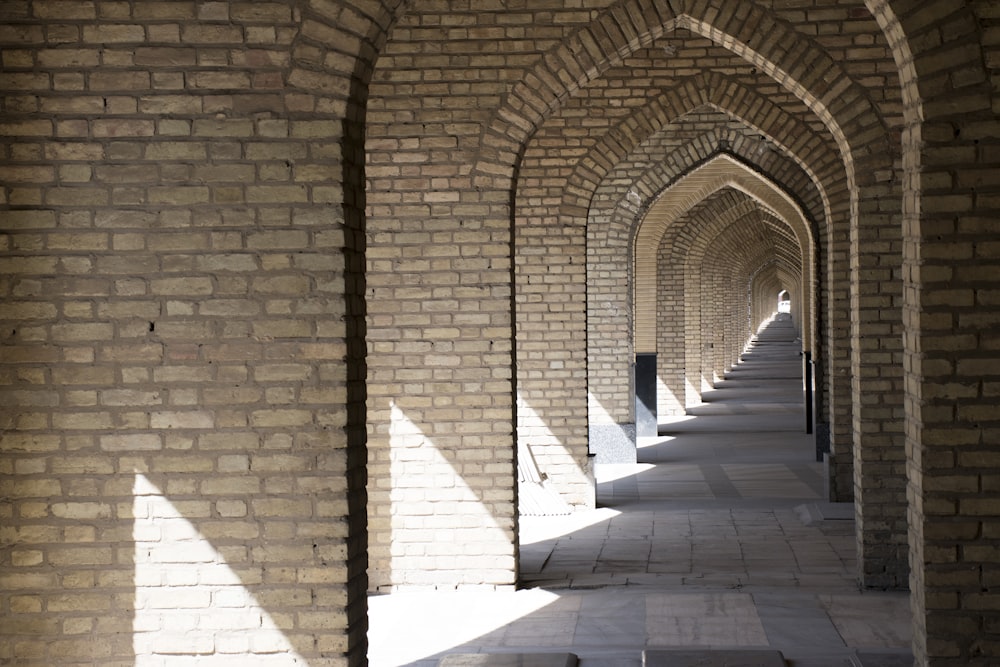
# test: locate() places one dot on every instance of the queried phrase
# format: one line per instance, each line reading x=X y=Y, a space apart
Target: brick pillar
x=951 y=264
x=877 y=388
x=183 y=349
x=671 y=309
x=833 y=366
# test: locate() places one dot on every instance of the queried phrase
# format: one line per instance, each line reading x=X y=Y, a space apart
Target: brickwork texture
x=286 y=285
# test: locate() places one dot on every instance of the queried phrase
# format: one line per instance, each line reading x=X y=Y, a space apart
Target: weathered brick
x=64 y=9
x=110 y=33
x=118 y=81
x=73 y=58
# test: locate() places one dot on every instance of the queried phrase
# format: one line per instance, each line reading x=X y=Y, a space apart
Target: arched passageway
x=550 y=223
x=284 y=286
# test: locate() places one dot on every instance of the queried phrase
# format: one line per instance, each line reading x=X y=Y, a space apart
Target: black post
x=645 y=395
x=807 y=379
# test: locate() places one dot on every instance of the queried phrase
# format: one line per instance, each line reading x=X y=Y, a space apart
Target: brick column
x=877 y=389
x=183 y=347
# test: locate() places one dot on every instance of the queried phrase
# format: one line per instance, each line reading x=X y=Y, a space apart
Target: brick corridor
x=302 y=278
x=719 y=537
x=716 y=500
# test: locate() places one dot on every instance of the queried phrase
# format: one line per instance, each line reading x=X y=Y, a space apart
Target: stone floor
x=719 y=539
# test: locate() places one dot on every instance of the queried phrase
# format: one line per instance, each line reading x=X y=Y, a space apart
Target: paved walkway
x=719 y=537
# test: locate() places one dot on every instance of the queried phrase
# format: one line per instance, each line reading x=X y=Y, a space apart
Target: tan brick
x=123 y=128
x=64 y=9
x=229 y=308
x=113 y=33
x=74 y=333
x=26 y=128
x=280 y=418
x=82 y=510
x=175 y=150
x=219 y=80
x=118 y=81
x=196 y=419
x=26 y=310
x=230 y=486
x=193 y=286
x=282 y=329
x=77 y=556
x=179 y=196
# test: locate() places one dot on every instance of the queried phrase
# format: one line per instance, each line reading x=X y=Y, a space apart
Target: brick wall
x=183 y=355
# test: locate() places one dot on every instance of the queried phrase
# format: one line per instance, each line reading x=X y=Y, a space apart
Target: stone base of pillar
x=613 y=443
x=822 y=432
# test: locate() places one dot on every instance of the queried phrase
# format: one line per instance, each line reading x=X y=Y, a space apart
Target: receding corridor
x=311 y=303
x=718 y=538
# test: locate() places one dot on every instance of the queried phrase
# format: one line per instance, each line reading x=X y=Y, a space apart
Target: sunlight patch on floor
x=610 y=472
x=410 y=626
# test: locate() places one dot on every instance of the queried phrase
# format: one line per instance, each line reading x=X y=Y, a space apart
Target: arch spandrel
x=791 y=59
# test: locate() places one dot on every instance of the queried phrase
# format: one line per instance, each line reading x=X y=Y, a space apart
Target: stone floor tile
x=710 y=619
x=611 y=630
x=509 y=660
x=853 y=614
x=788 y=620
x=713 y=658
x=883 y=659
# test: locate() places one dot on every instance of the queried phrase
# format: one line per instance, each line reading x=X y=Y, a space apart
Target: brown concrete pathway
x=718 y=538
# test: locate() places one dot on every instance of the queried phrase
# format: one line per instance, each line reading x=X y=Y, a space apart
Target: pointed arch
x=793 y=60
x=719 y=172
x=624 y=194
x=609 y=306
x=716 y=91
